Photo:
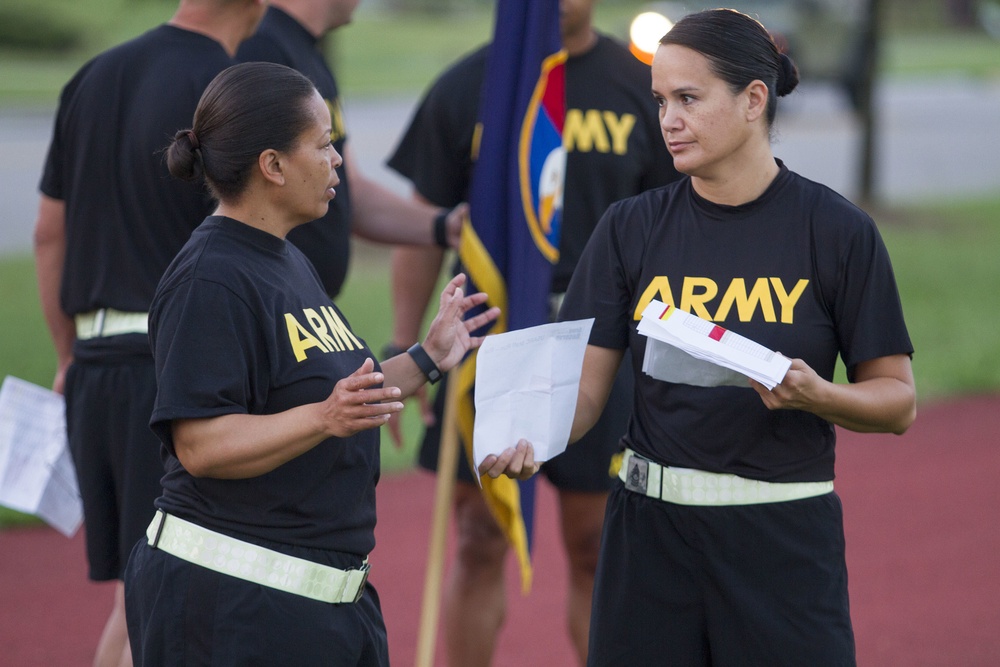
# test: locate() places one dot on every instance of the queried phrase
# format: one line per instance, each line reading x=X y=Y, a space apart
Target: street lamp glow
x=645 y=33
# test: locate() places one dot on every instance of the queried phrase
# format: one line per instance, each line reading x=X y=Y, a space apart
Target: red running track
x=923 y=538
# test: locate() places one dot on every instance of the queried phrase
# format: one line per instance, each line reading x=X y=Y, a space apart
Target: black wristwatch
x=441 y=228
x=424 y=362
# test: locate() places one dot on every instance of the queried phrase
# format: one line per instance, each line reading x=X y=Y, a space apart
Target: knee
x=481 y=545
x=582 y=525
x=582 y=549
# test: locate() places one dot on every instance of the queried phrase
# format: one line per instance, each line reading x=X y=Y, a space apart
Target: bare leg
x=113 y=648
x=582 y=518
x=475 y=598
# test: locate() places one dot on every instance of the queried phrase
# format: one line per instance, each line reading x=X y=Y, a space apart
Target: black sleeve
x=601 y=287
x=435 y=152
x=868 y=311
x=51 y=184
x=209 y=356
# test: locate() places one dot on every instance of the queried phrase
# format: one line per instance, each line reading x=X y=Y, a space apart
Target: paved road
x=937 y=139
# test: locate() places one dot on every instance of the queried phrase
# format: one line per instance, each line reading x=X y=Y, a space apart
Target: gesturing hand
x=356 y=403
x=448 y=337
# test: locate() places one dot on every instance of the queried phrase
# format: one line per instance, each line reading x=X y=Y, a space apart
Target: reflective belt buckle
x=636 y=474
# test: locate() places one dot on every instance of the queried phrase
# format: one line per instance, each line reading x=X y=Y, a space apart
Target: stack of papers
x=36 y=471
x=686 y=349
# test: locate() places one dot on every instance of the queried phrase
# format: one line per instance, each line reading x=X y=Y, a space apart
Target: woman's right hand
x=516 y=462
x=357 y=404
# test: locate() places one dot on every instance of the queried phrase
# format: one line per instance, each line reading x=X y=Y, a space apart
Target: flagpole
x=444 y=492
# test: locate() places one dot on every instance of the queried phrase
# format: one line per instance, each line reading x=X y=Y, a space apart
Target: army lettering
x=326 y=332
x=603 y=131
x=698 y=295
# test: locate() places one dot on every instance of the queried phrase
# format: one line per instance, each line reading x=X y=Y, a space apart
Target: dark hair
x=245 y=110
x=739 y=50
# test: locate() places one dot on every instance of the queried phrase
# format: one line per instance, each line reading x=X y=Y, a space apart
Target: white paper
x=663 y=361
x=36 y=471
x=526 y=387
x=710 y=356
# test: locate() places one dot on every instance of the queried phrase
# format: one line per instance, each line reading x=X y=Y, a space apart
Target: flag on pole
x=510 y=245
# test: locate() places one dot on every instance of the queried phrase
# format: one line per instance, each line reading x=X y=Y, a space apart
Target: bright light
x=645 y=33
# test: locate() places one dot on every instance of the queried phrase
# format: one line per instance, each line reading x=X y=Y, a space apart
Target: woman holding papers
x=724 y=544
x=268 y=404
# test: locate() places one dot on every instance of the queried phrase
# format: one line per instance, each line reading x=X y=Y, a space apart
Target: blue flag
x=511 y=243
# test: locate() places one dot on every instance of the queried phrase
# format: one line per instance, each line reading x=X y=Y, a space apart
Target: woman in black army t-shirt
x=268 y=405
x=724 y=544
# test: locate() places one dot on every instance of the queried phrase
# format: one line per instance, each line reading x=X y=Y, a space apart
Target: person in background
x=291 y=34
x=613 y=150
x=268 y=404
x=110 y=219
x=724 y=541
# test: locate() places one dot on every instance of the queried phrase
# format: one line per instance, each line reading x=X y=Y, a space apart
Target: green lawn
x=945 y=258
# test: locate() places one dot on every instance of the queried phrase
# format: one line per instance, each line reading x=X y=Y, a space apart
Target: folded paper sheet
x=686 y=349
x=526 y=387
x=36 y=471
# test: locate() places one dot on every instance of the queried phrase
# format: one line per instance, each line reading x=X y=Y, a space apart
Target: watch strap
x=424 y=362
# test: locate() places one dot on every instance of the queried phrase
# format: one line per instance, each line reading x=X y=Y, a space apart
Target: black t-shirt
x=126 y=216
x=326 y=242
x=799 y=270
x=614 y=148
x=241 y=325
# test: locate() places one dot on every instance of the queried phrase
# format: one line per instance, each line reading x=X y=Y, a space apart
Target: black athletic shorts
x=116 y=456
x=740 y=585
x=585 y=466
x=179 y=613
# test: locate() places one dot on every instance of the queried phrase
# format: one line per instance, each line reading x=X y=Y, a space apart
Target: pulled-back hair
x=739 y=50
x=245 y=110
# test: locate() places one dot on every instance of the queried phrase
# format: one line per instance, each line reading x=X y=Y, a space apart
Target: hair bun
x=788 y=76
x=184 y=159
x=191 y=142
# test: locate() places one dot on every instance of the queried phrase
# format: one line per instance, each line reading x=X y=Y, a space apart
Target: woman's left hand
x=797 y=391
x=881 y=397
x=449 y=336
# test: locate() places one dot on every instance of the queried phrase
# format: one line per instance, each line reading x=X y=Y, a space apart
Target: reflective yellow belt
x=685 y=486
x=253 y=563
x=109 y=322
